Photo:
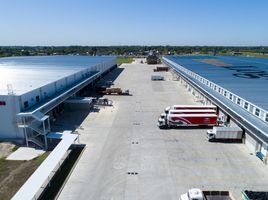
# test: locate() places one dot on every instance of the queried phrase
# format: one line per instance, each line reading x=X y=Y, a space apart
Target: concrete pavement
x=128 y=157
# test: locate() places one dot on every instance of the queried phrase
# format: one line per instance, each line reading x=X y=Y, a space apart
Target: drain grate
x=135 y=142
x=132 y=173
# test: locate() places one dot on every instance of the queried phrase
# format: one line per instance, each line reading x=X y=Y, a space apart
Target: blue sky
x=134 y=22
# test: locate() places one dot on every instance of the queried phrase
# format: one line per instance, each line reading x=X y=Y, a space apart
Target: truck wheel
x=163 y=127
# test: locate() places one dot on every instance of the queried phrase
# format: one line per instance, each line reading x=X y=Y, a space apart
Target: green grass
x=257 y=55
x=41 y=158
x=2 y=162
x=254 y=55
x=14 y=148
x=121 y=60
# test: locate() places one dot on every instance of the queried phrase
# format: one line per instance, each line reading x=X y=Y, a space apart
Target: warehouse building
x=237 y=85
x=33 y=89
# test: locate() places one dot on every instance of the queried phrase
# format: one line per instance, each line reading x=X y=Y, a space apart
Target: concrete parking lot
x=128 y=157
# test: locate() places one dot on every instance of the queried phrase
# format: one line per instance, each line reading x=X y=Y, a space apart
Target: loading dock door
x=250 y=142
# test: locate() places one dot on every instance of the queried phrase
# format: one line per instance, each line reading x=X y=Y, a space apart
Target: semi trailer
x=178 y=120
x=112 y=90
x=161 y=69
x=190 y=107
x=224 y=133
x=253 y=195
x=187 y=111
x=197 y=194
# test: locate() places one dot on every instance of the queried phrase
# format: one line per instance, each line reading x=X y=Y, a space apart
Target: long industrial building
x=236 y=85
x=33 y=89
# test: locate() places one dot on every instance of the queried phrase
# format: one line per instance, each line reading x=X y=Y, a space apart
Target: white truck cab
x=193 y=194
x=163 y=115
x=162 y=123
x=167 y=109
x=210 y=135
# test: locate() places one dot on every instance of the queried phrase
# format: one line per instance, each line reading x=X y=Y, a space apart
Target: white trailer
x=190 y=107
x=188 y=111
x=157 y=78
x=225 y=133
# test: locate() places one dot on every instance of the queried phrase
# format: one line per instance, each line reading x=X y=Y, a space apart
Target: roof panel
x=27 y=73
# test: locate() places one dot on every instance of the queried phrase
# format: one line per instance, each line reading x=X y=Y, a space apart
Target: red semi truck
x=178 y=120
x=190 y=107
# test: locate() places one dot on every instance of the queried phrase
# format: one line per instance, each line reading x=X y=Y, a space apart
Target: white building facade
x=25 y=112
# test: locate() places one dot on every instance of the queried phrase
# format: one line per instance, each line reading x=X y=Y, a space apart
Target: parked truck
x=218 y=133
x=161 y=69
x=187 y=111
x=197 y=194
x=177 y=120
x=253 y=195
x=190 y=107
x=114 y=90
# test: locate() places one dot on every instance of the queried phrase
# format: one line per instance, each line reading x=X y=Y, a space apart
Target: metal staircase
x=36 y=142
x=36 y=126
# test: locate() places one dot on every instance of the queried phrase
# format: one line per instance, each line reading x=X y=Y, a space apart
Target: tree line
x=6 y=51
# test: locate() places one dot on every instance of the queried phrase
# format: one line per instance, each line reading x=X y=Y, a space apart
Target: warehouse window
x=37 y=98
x=219 y=90
x=225 y=93
x=238 y=101
x=26 y=104
x=266 y=118
x=2 y=103
x=246 y=105
x=231 y=96
x=215 y=87
x=257 y=112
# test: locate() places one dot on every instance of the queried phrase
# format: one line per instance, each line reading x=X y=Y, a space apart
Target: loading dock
x=238 y=111
x=139 y=161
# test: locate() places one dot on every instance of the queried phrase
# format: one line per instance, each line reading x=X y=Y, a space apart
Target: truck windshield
x=191 y=198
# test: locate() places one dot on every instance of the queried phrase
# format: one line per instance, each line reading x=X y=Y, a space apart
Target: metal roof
x=247 y=120
x=55 y=100
x=247 y=77
x=24 y=74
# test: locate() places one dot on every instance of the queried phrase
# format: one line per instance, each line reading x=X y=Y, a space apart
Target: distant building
x=152 y=58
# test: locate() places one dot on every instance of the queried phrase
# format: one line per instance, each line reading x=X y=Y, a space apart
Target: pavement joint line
x=174 y=165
